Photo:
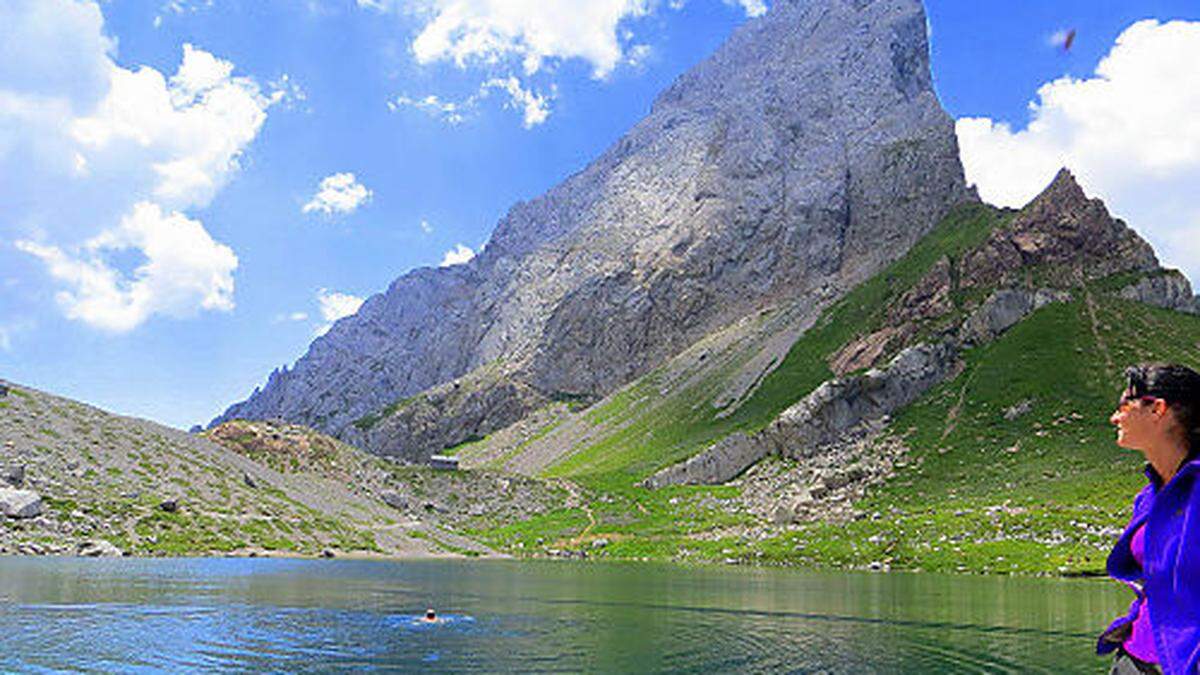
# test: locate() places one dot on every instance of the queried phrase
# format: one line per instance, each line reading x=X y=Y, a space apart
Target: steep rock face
x=1169 y=290
x=1002 y=310
x=806 y=153
x=1070 y=236
x=1059 y=240
x=820 y=419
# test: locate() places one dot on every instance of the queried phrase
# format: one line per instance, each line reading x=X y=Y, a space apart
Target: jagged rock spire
x=1072 y=236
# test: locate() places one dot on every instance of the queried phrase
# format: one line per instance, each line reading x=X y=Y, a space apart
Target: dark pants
x=1124 y=664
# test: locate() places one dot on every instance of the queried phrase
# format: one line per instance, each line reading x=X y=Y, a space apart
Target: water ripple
x=192 y=616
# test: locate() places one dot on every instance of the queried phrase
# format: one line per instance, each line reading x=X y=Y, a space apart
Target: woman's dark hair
x=1178 y=385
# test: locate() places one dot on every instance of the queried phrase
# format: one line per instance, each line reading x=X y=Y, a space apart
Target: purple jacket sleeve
x=1123 y=567
x=1173 y=572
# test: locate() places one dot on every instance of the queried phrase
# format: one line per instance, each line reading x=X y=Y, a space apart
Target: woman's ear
x=1159 y=407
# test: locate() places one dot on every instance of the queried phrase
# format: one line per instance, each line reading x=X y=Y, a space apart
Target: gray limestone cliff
x=1169 y=289
x=805 y=154
x=823 y=418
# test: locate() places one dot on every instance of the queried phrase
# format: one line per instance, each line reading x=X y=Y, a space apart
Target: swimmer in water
x=430 y=616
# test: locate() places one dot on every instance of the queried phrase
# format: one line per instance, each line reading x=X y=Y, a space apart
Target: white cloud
x=426 y=227
x=751 y=7
x=101 y=163
x=186 y=6
x=457 y=255
x=286 y=91
x=199 y=72
x=638 y=55
x=180 y=7
x=530 y=31
x=334 y=306
x=190 y=131
x=53 y=49
x=505 y=37
x=340 y=192
x=449 y=111
x=1130 y=134
x=535 y=108
x=184 y=271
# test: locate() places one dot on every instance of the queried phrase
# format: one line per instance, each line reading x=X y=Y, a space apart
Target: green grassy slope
x=1041 y=493
x=679 y=427
x=1044 y=492
x=649 y=425
x=104 y=477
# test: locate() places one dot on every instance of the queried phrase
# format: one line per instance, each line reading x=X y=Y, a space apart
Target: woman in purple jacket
x=1158 y=555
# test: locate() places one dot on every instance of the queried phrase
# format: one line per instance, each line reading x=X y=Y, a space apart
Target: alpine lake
x=239 y=614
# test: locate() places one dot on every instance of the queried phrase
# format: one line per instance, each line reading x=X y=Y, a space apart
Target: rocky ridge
x=1168 y=289
x=805 y=154
x=823 y=420
x=1060 y=238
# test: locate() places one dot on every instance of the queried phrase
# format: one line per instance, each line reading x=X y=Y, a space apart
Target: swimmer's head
x=430 y=615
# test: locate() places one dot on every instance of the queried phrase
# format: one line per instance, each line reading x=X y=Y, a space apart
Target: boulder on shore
x=98 y=548
x=20 y=503
x=13 y=475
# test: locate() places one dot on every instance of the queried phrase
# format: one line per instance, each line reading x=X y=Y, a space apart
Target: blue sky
x=425 y=131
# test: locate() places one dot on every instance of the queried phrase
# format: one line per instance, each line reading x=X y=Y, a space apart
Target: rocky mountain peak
x=804 y=155
x=1069 y=235
x=1063 y=193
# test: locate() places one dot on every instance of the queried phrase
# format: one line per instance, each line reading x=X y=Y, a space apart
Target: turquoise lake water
x=139 y=615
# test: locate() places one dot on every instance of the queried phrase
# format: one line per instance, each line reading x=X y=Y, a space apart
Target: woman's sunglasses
x=1126 y=400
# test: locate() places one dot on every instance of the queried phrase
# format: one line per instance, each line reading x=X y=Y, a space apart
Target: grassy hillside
x=1047 y=490
x=1009 y=467
x=657 y=421
x=104 y=477
x=1041 y=491
x=685 y=421
x=241 y=488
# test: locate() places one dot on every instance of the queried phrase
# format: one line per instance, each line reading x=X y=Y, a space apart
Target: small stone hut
x=444 y=462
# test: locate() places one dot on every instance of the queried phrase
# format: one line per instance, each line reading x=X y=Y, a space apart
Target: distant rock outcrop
x=1002 y=310
x=1068 y=236
x=820 y=419
x=1169 y=290
x=806 y=153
